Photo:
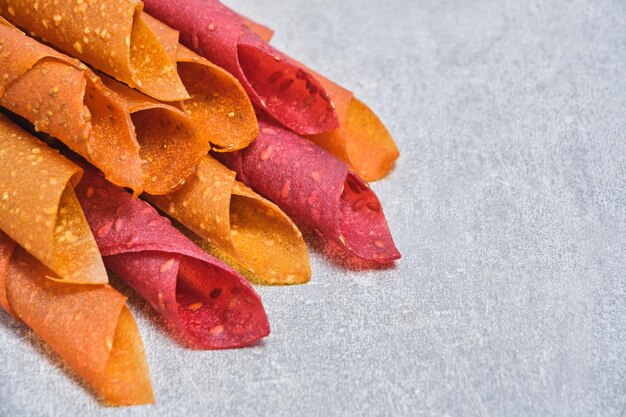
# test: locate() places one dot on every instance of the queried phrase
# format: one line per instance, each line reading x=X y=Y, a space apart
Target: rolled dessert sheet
x=239 y=225
x=90 y=328
x=278 y=85
x=39 y=209
x=210 y=305
x=109 y=35
x=362 y=140
x=218 y=103
x=316 y=190
x=127 y=135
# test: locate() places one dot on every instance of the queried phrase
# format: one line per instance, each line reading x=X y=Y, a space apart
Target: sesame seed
x=70 y=237
x=216 y=330
x=104 y=230
x=195 y=306
x=266 y=153
x=373 y=205
x=108 y=342
x=284 y=192
x=167 y=265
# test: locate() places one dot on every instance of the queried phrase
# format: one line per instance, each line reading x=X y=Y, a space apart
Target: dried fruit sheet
x=39 y=209
x=240 y=224
x=90 y=328
x=210 y=305
x=278 y=85
x=315 y=189
x=110 y=35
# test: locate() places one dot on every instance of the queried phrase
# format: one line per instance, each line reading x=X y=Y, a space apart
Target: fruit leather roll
x=209 y=304
x=90 y=328
x=263 y=31
x=362 y=141
x=315 y=189
x=174 y=143
x=39 y=209
x=131 y=141
x=218 y=102
x=110 y=35
x=280 y=86
x=240 y=226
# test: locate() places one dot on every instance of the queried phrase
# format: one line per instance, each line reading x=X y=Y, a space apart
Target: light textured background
x=508 y=204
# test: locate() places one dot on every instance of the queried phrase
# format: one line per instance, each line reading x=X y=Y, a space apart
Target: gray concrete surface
x=508 y=204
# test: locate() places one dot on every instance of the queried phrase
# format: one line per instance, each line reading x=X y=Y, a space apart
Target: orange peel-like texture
x=110 y=35
x=39 y=209
x=240 y=224
x=219 y=104
x=90 y=328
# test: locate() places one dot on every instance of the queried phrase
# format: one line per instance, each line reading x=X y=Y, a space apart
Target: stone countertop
x=508 y=204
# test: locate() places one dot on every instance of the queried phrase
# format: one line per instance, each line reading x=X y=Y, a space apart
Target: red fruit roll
x=211 y=305
x=283 y=88
x=316 y=190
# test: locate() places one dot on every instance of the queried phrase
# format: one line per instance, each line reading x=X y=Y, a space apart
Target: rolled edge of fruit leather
x=208 y=303
x=263 y=31
x=110 y=35
x=90 y=328
x=39 y=209
x=171 y=145
x=239 y=223
x=281 y=87
x=218 y=102
x=316 y=190
x=63 y=98
x=362 y=140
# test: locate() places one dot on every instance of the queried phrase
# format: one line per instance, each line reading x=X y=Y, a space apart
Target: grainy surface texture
x=508 y=204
